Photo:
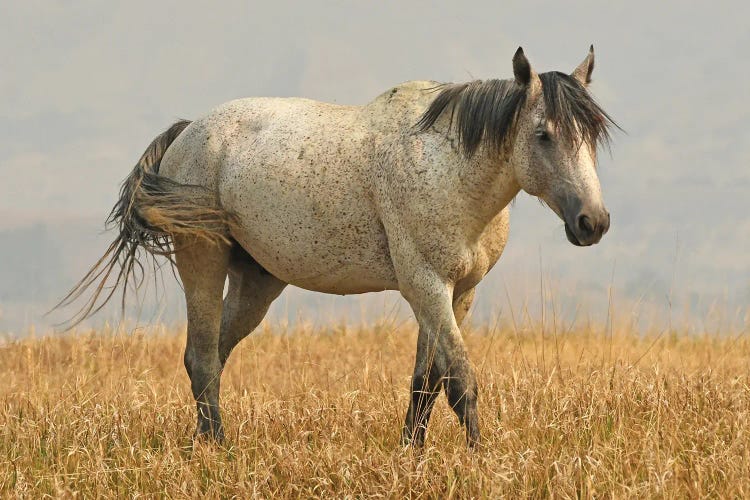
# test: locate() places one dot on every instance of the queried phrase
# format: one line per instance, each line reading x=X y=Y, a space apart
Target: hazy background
x=86 y=85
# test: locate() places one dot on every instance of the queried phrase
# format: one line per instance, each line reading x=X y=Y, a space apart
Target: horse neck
x=488 y=184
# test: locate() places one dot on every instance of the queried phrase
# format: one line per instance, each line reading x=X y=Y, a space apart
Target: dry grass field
x=318 y=414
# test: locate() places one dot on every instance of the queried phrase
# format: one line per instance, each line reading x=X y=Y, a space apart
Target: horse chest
x=466 y=263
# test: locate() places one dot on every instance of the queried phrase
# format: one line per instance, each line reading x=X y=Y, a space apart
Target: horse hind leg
x=251 y=291
x=203 y=269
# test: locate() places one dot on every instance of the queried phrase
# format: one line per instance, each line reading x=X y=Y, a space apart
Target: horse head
x=554 y=150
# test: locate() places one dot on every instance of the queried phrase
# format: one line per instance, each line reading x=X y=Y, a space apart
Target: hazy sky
x=86 y=85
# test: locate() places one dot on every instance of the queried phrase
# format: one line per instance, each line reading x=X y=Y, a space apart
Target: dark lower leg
x=461 y=389
x=424 y=391
x=205 y=375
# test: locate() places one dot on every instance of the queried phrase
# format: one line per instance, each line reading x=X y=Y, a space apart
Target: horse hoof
x=209 y=435
x=414 y=442
x=474 y=442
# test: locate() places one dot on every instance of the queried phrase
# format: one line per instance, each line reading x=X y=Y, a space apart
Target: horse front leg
x=441 y=359
x=425 y=388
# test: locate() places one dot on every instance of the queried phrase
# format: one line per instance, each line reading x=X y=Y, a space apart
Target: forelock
x=575 y=113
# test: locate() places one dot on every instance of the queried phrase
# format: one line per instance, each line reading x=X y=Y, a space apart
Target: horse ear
x=521 y=68
x=583 y=72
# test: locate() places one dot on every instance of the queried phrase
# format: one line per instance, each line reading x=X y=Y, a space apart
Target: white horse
x=409 y=192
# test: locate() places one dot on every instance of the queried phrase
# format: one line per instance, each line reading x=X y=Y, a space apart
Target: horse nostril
x=584 y=224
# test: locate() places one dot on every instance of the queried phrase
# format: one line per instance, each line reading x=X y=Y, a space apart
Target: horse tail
x=150 y=211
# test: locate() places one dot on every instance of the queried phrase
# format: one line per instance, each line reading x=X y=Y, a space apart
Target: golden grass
x=319 y=415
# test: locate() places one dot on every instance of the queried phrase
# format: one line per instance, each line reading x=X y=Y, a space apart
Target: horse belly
x=321 y=240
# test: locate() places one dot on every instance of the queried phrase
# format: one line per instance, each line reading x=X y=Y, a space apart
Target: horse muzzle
x=587 y=228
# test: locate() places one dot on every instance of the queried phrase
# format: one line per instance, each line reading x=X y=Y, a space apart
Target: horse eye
x=543 y=135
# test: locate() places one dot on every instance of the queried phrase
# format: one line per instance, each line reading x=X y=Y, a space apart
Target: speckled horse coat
x=409 y=192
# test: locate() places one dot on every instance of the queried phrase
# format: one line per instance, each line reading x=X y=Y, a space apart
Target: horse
x=410 y=192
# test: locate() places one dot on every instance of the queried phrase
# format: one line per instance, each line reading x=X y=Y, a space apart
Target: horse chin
x=572 y=237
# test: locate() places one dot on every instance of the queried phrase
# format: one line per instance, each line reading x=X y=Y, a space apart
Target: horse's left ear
x=521 y=68
x=583 y=72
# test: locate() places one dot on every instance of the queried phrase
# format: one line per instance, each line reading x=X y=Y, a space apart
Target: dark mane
x=488 y=110
x=482 y=109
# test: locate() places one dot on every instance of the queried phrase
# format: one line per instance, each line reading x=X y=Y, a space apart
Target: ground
x=317 y=412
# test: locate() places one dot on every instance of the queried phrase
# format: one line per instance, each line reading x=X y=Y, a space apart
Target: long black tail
x=150 y=211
